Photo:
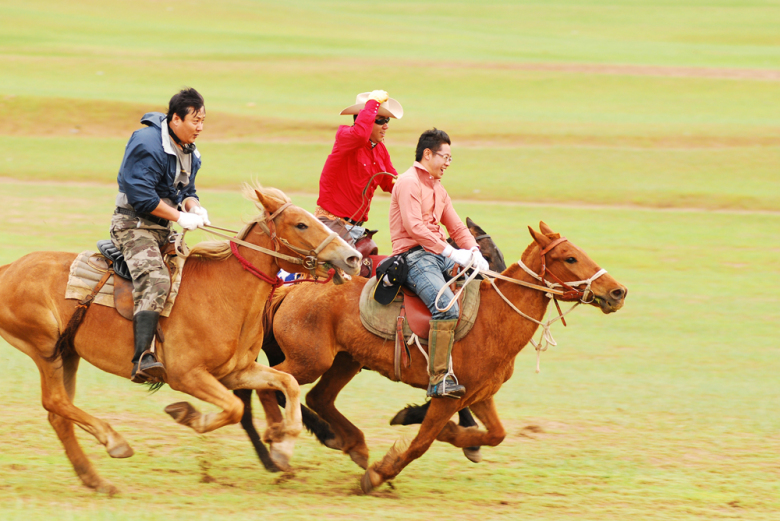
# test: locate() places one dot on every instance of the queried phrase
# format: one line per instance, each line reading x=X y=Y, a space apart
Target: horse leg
x=413 y=414
x=401 y=454
x=245 y=395
x=279 y=435
x=468 y=437
x=64 y=429
x=322 y=400
x=56 y=399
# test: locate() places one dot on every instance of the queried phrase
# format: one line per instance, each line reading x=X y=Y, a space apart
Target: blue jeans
x=428 y=273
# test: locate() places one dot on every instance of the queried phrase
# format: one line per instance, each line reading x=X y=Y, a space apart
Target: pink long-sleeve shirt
x=418 y=204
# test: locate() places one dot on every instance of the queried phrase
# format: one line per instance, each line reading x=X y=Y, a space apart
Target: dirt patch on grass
x=60 y=117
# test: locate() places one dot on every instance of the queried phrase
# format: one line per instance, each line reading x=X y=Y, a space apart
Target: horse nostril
x=353 y=261
x=617 y=294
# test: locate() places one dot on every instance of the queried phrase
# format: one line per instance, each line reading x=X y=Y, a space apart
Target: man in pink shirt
x=418 y=204
x=349 y=176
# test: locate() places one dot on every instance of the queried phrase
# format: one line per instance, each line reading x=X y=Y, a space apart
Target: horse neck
x=240 y=287
x=515 y=329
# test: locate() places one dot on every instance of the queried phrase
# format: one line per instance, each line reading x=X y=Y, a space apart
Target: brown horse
x=320 y=333
x=311 y=420
x=212 y=337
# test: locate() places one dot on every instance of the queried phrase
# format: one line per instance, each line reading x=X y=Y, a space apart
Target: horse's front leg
x=281 y=436
x=469 y=437
x=399 y=456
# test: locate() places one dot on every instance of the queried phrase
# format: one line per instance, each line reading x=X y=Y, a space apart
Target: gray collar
x=166 y=140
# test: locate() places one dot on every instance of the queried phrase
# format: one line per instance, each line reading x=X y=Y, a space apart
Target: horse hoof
x=182 y=412
x=399 y=418
x=367 y=482
x=107 y=488
x=359 y=458
x=334 y=442
x=117 y=447
x=282 y=461
x=473 y=454
x=123 y=450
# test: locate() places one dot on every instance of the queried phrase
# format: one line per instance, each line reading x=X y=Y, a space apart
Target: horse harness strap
x=402 y=356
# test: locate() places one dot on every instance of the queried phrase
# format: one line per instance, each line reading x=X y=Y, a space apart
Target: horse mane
x=220 y=250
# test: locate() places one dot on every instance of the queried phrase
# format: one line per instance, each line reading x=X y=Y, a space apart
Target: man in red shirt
x=349 y=176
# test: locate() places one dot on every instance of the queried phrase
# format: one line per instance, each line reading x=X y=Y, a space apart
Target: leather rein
x=309 y=259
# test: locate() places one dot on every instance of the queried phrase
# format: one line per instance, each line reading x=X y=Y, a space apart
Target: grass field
x=646 y=132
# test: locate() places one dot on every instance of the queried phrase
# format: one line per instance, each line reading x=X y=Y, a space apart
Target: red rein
x=276 y=281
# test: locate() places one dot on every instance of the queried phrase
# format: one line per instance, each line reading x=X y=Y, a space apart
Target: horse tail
x=64 y=347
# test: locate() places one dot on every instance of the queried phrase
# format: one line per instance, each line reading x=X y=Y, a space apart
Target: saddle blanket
x=88 y=269
x=381 y=320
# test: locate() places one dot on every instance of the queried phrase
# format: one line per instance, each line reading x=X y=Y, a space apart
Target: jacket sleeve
x=356 y=136
x=141 y=172
x=386 y=182
x=455 y=227
x=410 y=206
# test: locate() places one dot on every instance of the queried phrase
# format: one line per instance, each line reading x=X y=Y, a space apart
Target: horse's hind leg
x=56 y=399
x=322 y=400
x=64 y=429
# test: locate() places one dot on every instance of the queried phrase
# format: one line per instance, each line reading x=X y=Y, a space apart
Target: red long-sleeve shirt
x=351 y=164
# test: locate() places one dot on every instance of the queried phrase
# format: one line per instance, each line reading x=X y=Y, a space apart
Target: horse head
x=564 y=263
x=487 y=247
x=299 y=234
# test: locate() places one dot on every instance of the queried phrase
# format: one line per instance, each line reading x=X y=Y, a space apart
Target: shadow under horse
x=410 y=415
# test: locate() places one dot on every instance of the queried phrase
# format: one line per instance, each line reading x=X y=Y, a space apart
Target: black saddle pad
x=109 y=251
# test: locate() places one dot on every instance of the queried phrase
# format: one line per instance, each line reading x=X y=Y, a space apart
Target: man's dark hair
x=432 y=139
x=183 y=101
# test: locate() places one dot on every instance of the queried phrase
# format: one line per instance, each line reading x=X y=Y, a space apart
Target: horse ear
x=269 y=203
x=545 y=229
x=474 y=228
x=541 y=239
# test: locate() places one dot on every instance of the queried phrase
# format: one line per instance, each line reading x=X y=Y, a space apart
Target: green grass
x=665 y=410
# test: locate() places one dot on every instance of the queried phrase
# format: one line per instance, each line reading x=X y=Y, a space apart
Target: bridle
x=308 y=258
x=569 y=293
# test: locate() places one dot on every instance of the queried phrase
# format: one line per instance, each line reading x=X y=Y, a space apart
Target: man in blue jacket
x=157 y=187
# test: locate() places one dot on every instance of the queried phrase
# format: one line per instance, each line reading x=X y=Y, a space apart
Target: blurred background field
x=646 y=132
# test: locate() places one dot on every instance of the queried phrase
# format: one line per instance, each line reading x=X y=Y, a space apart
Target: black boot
x=144 y=326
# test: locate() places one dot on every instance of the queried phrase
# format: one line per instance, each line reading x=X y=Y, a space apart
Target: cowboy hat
x=389 y=109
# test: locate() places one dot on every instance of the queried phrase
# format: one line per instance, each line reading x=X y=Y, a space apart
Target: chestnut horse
x=319 y=330
x=211 y=339
x=412 y=413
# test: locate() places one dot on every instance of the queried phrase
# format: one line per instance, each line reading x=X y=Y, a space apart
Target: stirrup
x=156 y=372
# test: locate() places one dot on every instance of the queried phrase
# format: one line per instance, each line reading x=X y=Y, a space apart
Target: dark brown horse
x=412 y=414
x=212 y=337
x=333 y=346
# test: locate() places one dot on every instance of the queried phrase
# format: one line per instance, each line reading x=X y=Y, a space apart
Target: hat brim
x=389 y=109
x=385 y=294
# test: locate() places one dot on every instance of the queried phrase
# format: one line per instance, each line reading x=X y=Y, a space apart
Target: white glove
x=189 y=221
x=378 y=95
x=462 y=257
x=479 y=261
x=199 y=210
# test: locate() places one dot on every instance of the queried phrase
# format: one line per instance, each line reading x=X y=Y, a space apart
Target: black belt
x=131 y=213
x=354 y=223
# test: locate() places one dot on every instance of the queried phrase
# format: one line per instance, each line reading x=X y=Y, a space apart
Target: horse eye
x=571 y=260
x=301 y=226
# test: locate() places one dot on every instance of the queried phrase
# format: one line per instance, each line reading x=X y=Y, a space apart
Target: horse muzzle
x=611 y=301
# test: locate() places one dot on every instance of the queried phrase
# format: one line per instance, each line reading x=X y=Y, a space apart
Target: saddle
x=383 y=320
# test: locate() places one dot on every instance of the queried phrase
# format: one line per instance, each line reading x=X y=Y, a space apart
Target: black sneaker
x=447 y=387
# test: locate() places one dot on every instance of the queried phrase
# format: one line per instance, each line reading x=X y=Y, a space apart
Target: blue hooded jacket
x=149 y=167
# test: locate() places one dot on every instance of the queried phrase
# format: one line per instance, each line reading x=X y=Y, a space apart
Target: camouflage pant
x=346 y=231
x=140 y=246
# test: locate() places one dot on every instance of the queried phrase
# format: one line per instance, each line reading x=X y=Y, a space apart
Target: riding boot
x=440 y=340
x=149 y=369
